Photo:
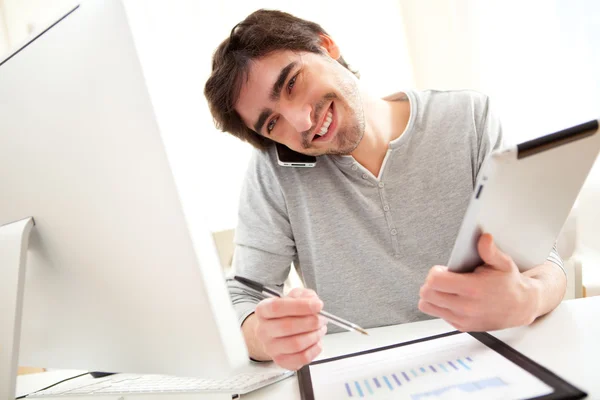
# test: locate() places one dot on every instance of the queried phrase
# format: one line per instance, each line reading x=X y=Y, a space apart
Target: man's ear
x=330 y=46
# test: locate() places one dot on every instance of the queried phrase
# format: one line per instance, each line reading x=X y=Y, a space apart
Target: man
x=371 y=225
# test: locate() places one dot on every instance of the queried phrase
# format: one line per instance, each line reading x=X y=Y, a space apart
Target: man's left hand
x=494 y=296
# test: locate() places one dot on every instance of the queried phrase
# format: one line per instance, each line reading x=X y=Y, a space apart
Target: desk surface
x=566 y=341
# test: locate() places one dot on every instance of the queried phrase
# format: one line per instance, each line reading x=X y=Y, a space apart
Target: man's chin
x=347 y=148
x=341 y=148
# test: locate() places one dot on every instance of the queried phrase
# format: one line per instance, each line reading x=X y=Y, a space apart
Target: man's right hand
x=287 y=330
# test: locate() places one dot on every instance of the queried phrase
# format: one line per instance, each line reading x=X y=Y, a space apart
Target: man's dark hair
x=261 y=33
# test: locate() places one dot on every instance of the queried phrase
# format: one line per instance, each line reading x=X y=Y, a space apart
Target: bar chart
x=402 y=378
x=468 y=387
x=448 y=368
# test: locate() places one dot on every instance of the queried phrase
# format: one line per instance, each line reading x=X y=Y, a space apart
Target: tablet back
x=524 y=194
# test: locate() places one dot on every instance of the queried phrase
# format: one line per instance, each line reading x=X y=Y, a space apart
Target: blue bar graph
x=388 y=382
x=461 y=362
x=358 y=389
x=348 y=390
x=468 y=387
x=368 y=386
x=371 y=386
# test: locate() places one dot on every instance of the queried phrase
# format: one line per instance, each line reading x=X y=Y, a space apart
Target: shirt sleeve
x=264 y=243
x=489 y=131
x=555 y=258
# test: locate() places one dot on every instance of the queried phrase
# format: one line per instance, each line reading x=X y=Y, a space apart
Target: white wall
x=25 y=17
x=440 y=45
x=544 y=69
x=3 y=33
x=537 y=59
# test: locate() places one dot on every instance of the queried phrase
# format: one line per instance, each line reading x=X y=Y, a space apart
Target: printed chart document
x=449 y=366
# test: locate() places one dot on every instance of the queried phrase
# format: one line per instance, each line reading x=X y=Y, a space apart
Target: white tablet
x=524 y=194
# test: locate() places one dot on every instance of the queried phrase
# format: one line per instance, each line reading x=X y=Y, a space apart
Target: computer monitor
x=119 y=276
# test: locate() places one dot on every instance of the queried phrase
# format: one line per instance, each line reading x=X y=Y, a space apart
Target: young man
x=371 y=225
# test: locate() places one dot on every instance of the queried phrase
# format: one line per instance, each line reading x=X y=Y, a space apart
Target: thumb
x=491 y=254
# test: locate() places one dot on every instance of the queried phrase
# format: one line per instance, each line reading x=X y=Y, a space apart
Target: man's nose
x=300 y=117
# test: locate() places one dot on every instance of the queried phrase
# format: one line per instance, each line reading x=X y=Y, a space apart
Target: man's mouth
x=324 y=131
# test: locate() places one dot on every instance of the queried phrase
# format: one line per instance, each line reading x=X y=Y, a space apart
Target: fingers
x=440 y=279
x=289 y=326
x=462 y=323
x=296 y=361
x=288 y=307
x=297 y=343
x=446 y=300
x=491 y=254
x=460 y=306
x=436 y=311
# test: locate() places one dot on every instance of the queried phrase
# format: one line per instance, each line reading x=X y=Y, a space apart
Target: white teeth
x=325 y=124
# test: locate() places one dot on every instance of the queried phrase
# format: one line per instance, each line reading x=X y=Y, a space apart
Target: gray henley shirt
x=366 y=243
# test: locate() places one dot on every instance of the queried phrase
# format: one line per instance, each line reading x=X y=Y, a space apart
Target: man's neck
x=384 y=121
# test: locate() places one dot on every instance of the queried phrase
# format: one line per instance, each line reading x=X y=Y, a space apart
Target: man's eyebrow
x=276 y=91
x=275 y=94
x=261 y=119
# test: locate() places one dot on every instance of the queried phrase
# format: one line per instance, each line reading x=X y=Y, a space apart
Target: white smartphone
x=287 y=157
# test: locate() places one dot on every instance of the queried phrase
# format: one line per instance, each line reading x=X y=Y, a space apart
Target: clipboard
x=449 y=365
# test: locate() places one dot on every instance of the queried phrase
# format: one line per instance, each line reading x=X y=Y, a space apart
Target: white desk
x=567 y=341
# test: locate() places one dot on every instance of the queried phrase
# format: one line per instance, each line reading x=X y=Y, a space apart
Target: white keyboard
x=135 y=384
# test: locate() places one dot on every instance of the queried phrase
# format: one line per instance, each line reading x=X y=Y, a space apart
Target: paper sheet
x=451 y=367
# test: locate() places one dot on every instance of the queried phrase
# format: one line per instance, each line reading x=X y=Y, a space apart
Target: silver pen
x=268 y=292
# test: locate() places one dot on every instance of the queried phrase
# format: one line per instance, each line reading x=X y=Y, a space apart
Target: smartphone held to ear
x=290 y=158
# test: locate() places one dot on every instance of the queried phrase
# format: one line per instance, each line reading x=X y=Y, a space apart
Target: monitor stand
x=14 y=240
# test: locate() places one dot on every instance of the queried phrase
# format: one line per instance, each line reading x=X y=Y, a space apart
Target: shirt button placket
x=386 y=208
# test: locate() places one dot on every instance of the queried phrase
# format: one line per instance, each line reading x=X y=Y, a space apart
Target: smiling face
x=306 y=101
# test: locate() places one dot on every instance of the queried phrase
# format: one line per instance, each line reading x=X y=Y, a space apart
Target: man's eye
x=291 y=83
x=271 y=125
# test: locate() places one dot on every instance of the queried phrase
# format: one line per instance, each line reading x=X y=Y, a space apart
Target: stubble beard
x=348 y=137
